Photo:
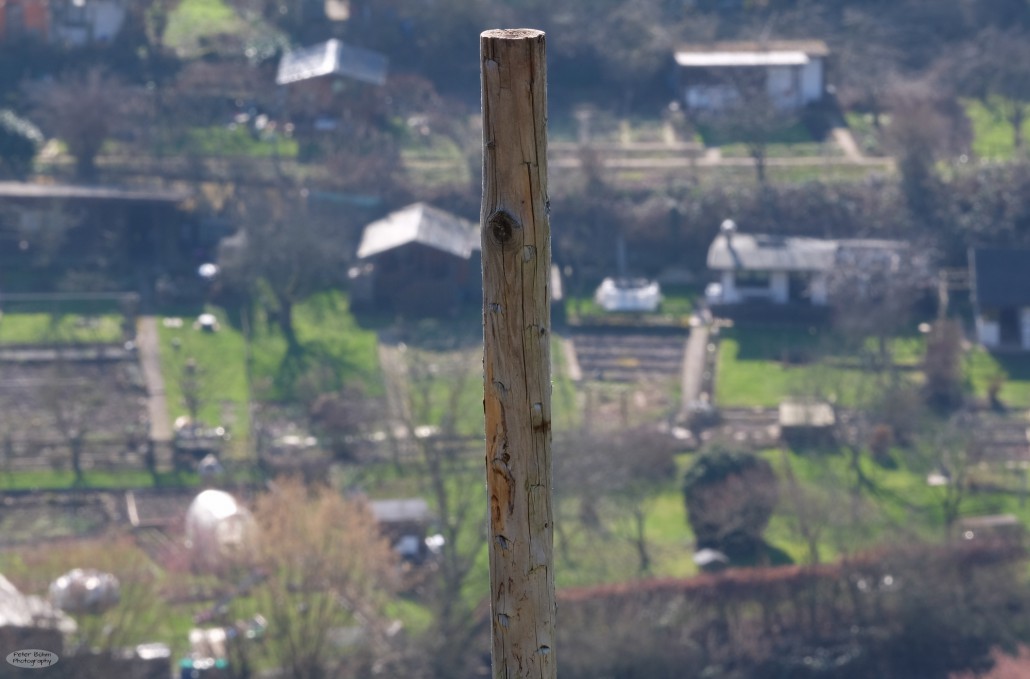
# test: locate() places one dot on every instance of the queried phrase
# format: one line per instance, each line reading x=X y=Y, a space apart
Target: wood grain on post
x=516 y=363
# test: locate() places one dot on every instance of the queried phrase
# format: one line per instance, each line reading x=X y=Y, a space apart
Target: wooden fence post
x=516 y=240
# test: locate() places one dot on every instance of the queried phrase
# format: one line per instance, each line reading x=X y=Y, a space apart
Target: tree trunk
x=75 y=444
x=284 y=316
x=86 y=166
x=1016 y=119
x=640 y=541
x=758 y=155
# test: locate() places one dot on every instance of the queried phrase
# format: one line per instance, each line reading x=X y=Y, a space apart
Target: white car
x=628 y=294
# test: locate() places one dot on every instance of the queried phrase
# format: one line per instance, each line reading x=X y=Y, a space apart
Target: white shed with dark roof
x=782 y=269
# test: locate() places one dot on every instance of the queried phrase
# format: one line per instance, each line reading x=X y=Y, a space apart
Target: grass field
x=761 y=366
x=45 y=480
x=796 y=133
x=228 y=141
x=230 y=369
x=1012 y=371
x=992 y=134
x=752 y=371
x=866 y=135
x=193 y=21
x=64 y=328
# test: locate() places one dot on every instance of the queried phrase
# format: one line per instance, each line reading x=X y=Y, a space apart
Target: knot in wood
x=501 y=226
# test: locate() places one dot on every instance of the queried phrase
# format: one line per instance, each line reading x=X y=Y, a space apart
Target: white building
x=81 y=22
x=793 y=72
x=783 y=269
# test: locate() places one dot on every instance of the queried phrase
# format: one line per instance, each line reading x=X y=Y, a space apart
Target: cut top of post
x=512 y=34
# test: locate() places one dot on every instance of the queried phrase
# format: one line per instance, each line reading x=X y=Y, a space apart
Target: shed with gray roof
x=30 y=622
x=335 y=58
x=419 y=260
x=783 y=269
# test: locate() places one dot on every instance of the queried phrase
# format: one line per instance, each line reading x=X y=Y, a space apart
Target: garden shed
x=778 y=269
x=1000 y=279
x=791 y=72
x=419 y=260
x=30 y=622
x=806 y=422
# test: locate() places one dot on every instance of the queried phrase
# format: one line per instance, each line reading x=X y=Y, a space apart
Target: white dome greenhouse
x=217 y=527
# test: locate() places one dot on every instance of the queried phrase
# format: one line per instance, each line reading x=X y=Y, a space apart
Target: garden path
x=150 y=363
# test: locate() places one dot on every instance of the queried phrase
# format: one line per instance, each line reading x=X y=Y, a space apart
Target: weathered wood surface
x=516 y=330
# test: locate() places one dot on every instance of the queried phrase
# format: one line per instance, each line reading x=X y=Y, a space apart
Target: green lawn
x=717 y=135
x=761 y=366
x=866 y=135
x=1011 y=370
x=565 y=413
x=44 y=480
x=193 y=21
x=64 y=328
x=221 y=373
x=226 y=141
x=992 y=134
x=335 y=352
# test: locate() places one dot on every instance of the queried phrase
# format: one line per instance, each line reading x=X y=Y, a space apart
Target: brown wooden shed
x=419 y=261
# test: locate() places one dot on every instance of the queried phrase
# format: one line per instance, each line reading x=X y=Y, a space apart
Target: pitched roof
x=762 y=252
x=332 y=58
x=424 y=224
x=398 y=511
x=741 y=53
x=706 y=59
x=1001 y=277
x=774 y=253
x=19 y=610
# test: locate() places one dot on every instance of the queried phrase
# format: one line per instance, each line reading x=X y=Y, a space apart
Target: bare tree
x=947 y=453
x=73 y=402
x=344 y=417
x=753 y=118
x=942 y=365
x=873 y=290
x=620 y=469
x=635 y=51
x=326 y=570
x=84 y=110
x=442 y=389
x=926 y=125
x=814 y=508
x=283 y=252
x=869 y=56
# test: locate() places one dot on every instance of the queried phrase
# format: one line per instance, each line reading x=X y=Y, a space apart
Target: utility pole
x=516 y=239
